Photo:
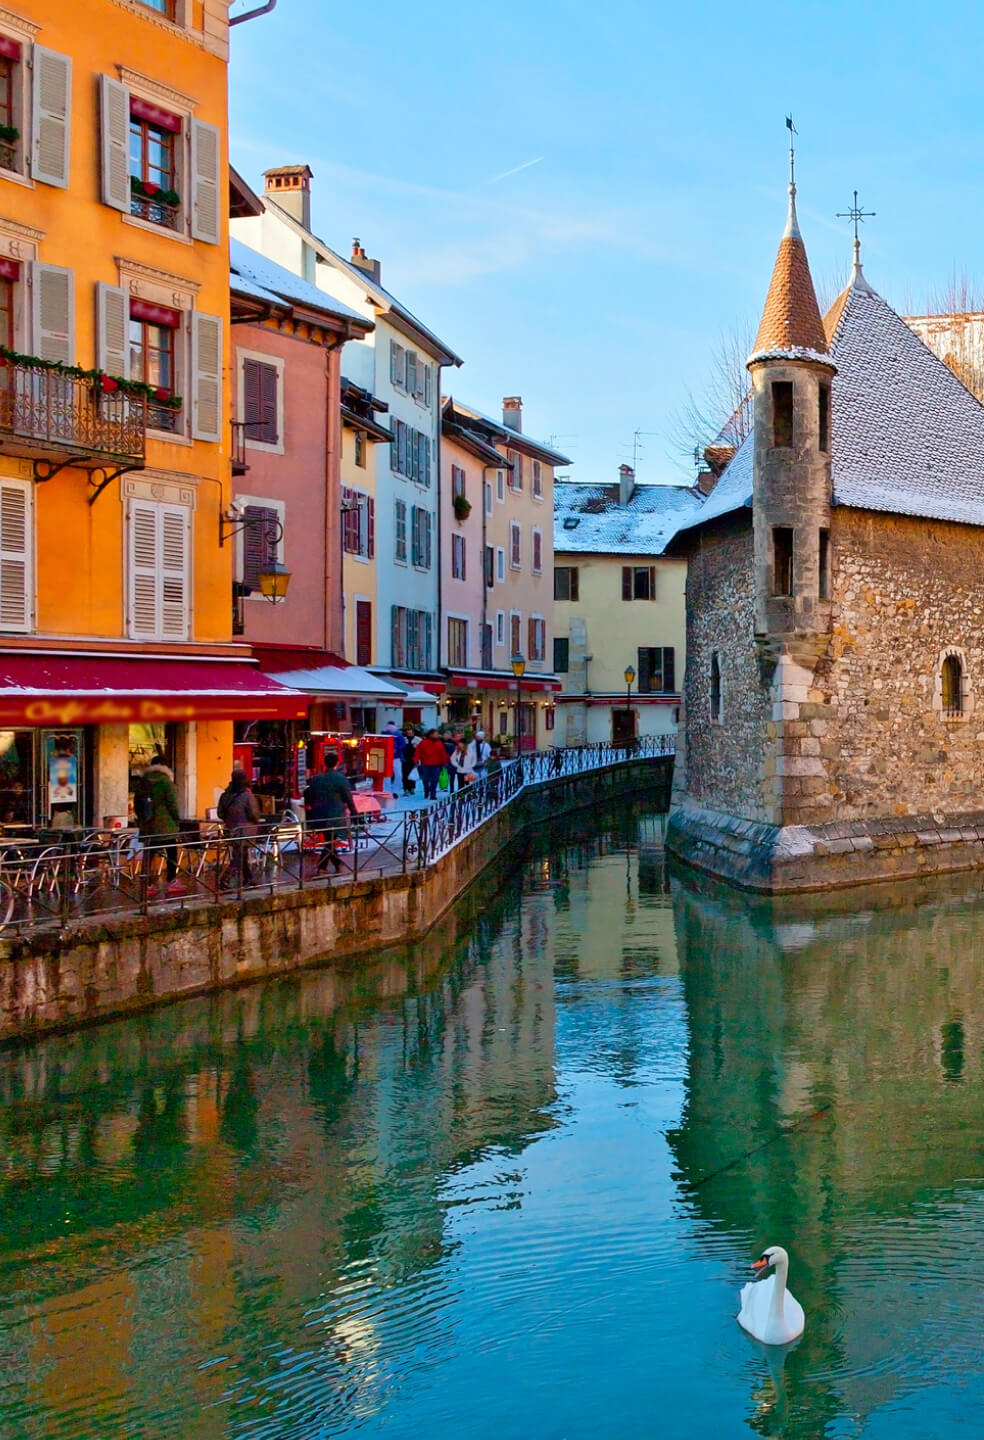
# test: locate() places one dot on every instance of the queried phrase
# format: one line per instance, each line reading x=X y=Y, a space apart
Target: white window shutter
x=51 y=121
x=206 y=158
x=142 y=569
x=174 y=527
x=112 y=325
x=114 y=115
x=54 y=313
x=206 y=379
x=16 y=578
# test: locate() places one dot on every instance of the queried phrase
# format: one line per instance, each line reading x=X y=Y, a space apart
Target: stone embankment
x=61 y=979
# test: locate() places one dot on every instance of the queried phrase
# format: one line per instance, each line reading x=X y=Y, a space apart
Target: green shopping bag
x=445 y=781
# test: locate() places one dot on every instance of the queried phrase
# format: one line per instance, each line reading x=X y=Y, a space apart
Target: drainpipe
x=254 y=14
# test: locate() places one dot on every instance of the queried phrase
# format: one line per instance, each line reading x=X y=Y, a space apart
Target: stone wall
x=725 y=762
x=61 y=979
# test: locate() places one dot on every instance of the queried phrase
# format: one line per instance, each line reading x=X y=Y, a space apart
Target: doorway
x=623 y=726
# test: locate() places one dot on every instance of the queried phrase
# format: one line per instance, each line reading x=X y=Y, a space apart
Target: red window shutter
x=259 y=548
x=268 y=430
x=531 y=639
x=574 y=582
x=371 y=527
x=626 y=582
x=251 y=397
x=350 y=522
x=652 y=582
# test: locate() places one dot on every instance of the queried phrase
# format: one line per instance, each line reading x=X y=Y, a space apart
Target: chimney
x=360 y=258
x=290 y=186
x=626 y=484
x=512 y=413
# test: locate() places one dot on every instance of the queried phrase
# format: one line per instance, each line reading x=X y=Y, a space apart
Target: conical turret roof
x=791 y=318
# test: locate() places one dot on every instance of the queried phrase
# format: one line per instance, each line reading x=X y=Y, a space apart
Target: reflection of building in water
x=215 y=1178
x=833 y=1105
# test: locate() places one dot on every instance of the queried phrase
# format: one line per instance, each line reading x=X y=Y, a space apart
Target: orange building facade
x=115 y=586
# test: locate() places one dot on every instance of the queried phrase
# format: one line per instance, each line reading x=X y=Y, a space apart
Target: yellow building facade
x=115 y=591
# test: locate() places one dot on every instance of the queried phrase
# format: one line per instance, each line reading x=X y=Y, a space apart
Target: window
x=261 y=402
x=500 y=486
x=400 y=531
x=537 y=480
x=410 y=453
x=515 y=546
x=500 y=627
x=9 y=269
x=782 y=560
x=16 y=556
x=411 y=638
x=486 y=647
x=562 y=655
x=457 y=642
x=163 y=7
x=11 y=147
x=489 y=567
x=951 y=678
x=515 y=631
x=458 y=557
x=488 y=498
x=638 y=582
x=260 y=542
x=457 y=482
x=158 y=545
x=420 y=538
x=398 y=365
x=717 y=709
x=782 y=414
x=537 y=632
x=358 y=523
x=537 y=552
x=656 y=670
x=566 y=582
x=516 y=470
x=500 y=564
x=360 y=449
x=152 y=345
x=363 y=632
x=824 y=565
x=154 y=138
x=549 y=717
x=823 y=418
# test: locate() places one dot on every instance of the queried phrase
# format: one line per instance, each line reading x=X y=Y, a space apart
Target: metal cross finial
x=858 y=216
x=792 y=151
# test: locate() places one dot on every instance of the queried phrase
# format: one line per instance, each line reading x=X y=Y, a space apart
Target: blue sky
x=596 y=281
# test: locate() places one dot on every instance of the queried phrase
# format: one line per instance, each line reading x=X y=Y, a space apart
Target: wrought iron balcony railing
x=49 y=416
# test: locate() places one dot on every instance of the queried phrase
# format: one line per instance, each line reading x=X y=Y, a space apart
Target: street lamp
x=519 y=670
x=629 y=677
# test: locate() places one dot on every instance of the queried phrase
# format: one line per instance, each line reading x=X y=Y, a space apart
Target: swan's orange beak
x=761 y=1264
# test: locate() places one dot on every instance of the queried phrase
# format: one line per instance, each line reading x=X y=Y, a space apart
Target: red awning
x=60 y=689
x=501 y=682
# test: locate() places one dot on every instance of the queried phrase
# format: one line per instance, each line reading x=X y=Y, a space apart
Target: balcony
x=156 y=212
x=57 y=419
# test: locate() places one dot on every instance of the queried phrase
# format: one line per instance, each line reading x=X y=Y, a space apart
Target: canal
x=508 y=1186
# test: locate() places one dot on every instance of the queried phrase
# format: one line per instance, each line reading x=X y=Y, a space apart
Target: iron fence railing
x=107 y=874
x=44 y=408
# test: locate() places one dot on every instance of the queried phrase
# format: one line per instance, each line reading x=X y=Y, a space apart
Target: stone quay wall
x=60 y=980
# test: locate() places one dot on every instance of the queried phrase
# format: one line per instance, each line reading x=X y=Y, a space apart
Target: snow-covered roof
x=589 y=520
x=907 y=437
x=253 y=274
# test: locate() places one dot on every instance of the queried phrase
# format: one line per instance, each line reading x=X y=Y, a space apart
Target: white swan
x=768 y=1311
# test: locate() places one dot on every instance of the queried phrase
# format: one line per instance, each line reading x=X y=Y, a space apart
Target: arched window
x=951 y=678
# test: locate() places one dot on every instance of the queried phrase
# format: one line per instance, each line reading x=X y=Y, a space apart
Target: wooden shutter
x=259 y=548
x=669 y=669
x=112 y=323
x=401 y=448
x=412 y=371
x=370 y=527
x=52 y=117
x=54 y=313
x=397 y=363
x=626 y=582
x=206 y=376
x=16 y=581
x=537 y=551
x=652 y=582
x=574 y=577
x=114 y=116
x=251 y=397
x=142 y=557
x=174 y=528
x=260 y=402
x=428 y=385
x=363 y=632
x=396 y=648
x=645 y=669
x=426 y=461
x=205 y=174
x=531 y=639
x=426 y=657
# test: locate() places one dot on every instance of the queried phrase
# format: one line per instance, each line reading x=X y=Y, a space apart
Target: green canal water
x=509 y=1185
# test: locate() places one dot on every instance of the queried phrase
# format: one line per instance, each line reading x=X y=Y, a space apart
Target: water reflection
x=508 y=1182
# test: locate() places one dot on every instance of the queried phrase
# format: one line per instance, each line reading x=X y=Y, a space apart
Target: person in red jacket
x=431 y=758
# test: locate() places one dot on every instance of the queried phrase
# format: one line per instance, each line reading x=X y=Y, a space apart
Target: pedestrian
x=479 y=754
x=409 y=761
x=158 y=817
x=458 y=766
x=327 y=797
x=399 y=748
x=431 y=759
x=239 y=812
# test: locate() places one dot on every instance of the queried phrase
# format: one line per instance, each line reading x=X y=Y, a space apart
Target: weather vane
x=857 y=215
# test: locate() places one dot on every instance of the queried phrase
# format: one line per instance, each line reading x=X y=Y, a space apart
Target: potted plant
x=462 y=507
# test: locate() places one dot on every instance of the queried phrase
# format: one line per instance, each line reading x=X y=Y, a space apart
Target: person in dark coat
x=240 y=814
x=409 y=761
x=158 y=815
x=327 y=797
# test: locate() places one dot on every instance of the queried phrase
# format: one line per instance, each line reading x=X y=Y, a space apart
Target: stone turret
x=791 y=371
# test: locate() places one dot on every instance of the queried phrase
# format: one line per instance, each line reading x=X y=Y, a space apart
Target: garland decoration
x=100 y=381
x=9 y=133
x=150 y=190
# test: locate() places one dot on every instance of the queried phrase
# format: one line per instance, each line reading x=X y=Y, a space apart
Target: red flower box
x=108 y=384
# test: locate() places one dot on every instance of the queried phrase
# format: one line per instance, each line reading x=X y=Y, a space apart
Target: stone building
x=835 y=596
